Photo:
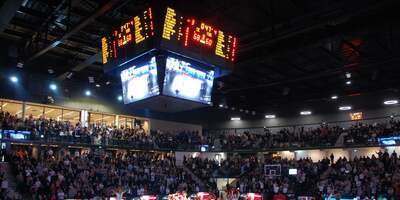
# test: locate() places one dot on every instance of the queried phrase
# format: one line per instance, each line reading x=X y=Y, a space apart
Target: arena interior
x=199 y=100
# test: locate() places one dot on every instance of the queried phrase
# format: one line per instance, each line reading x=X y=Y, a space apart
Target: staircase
x=195 y=178
x=340 y=141
x=9 y=176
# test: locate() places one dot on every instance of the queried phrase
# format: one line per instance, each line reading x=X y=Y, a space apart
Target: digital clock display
x=124 y=40
x=195 y=34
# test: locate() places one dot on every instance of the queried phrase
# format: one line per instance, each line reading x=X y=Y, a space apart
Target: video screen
x=292 y=171
x=184 y=81
x=140 y=82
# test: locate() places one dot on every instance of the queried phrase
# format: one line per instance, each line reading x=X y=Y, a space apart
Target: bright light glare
x=235 y=119
x=348 y=82
x=119 y=98
x=53 y=86
x=88 y=93
x=14 y=79
x=305 y=112
x=391 y=102
x=334 y=97
x=270 y=116
x=345 y=108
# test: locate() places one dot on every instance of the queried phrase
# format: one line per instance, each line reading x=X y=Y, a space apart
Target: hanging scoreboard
x=128 y=39
x=189 y=34
x=168 y=30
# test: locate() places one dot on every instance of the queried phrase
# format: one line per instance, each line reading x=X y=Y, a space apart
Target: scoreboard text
x=190 y=32
x=129 y=34
x=186 y=34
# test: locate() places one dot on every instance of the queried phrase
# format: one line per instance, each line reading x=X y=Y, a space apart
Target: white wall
x=210 y=155
x=349 y=153
x=156 y=124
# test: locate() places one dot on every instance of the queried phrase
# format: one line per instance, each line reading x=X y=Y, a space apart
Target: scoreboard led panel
x=194 y=34
x=168 y=30
x=125 y=40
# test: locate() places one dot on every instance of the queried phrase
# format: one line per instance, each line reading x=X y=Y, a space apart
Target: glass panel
x=53 y=113
x=109 y=120
x=12 y=108
x=95 y=118
x=129 y=123
x=122 y=122
x=146 y=126
x=71 y=115
x=33 y=111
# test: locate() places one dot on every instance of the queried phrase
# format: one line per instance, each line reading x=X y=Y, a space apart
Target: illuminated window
x=356 y=116
x=53 y=113
x=71 y=115
x=12 y=107
x=95 y=118
x=34 y=111
x=108 y=120
x=101 y=119
x=129 y=122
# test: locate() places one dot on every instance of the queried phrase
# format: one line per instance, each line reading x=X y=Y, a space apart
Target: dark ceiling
x=290 y=50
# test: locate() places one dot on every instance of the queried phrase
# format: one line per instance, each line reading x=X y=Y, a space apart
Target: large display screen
x=123 y=42
x=140 y=82
x=194 y=34
x=185 y=81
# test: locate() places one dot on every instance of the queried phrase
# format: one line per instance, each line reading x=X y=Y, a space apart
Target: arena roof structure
x=289 y=50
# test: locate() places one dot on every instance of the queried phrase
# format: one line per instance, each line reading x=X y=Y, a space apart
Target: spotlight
x=98 y=85
x=348 y=75
x=14 y=79
x=270 y=116
x=88 y=93
x=119 y=98
x=334 y=97
x=348 y=82
x=235 y=118
x=345 y=108
x=306 y=112
x=391 y=102
x=221 y=105
x=53 y=87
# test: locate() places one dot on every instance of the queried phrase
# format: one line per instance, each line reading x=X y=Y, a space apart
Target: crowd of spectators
x=205 y=170
x=87 y=176
x=364 y=177
x=323 y=135
x=369 y=133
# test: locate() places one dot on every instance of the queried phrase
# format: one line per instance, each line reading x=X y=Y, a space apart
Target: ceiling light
x=345 y=108
x=14 y=79
x=221 y=105
x=88 y=93
x=306 y=112
x=348 y=82
x=235 y=118
x=334 y=97
x=108 y=83
x=391 y=102
x=348 y=75
x=53 y=87
x=270 y=116
x=98 y=85
x=119 y=98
